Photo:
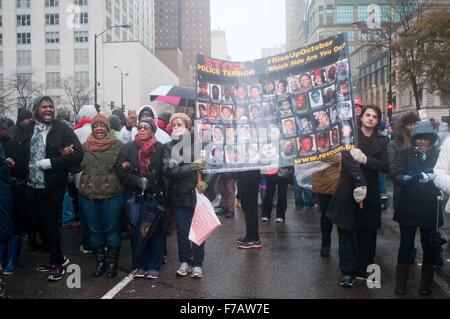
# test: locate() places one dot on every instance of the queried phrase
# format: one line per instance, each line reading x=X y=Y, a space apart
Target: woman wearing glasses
x=139 y=167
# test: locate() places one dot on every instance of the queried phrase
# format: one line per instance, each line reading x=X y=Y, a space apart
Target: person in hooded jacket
x=417 y=204
x=148 y=112
x=183 y=178
x=10 y=251
x=51 y=152
x=101 y=195
x=356 y=206
x=140 y=170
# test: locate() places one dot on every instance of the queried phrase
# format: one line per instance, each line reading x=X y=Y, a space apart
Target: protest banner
x=289 y=109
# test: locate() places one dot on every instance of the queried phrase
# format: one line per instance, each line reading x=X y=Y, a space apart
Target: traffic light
x=112 y=105
x=390 y=108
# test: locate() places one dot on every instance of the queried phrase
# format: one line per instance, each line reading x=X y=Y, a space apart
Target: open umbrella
x=173 y=94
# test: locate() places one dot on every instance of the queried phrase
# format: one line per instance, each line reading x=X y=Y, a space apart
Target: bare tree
x=75 y=94
x=24 y=90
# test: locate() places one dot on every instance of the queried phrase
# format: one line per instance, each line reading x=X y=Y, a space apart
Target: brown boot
x=401 y=278
x=427 y=280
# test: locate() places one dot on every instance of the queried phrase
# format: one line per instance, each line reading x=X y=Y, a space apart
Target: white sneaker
x=184 y=269
x=265 y=219
x=279 y=220
x=197 y=272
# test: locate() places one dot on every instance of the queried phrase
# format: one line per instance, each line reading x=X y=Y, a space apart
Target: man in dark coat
x=356 y=206
x=52 y=150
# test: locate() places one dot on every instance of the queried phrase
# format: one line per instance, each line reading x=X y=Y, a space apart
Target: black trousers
x=45 y=207
x=407 y=238
x=248 y=192
x=356 y=250
x=282 y=198
x=326 y=225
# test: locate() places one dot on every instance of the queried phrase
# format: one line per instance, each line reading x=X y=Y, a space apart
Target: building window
x=24 y=58
x=345 y=14
x=81 y=36
x=24 y=38
x=52 y=19
x=81 y=57
x=321 y=16
x=51 y=3
x=81 y=80
x=81 y=2
x=329 y=14
x=82 y=18
x=53 y=80
x=23 y=20
x=363 y=15
x=52 y=57
x=51 y=37
x=23 y=3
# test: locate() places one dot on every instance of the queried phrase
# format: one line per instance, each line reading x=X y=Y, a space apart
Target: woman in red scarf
x=139 y=167
x=101 y=195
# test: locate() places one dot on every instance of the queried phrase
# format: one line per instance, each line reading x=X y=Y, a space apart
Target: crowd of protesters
x=107 y=170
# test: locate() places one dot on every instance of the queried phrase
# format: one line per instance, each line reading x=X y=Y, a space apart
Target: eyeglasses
x=145 y=128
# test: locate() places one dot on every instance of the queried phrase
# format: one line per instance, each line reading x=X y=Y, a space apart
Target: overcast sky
x=250 y=25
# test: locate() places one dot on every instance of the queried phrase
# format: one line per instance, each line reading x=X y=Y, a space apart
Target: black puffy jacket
x=5 y=198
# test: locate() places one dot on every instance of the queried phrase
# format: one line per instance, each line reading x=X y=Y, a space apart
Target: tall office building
x=294 y=19
x=268 y=52
x=53 y=40
x=219 y=48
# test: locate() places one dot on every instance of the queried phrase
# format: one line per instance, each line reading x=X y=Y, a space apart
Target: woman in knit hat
x=140 y=169
x=183 y=180
x=101 y=195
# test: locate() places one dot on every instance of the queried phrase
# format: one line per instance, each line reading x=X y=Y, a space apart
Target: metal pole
x=95 y=69
x=121 y=77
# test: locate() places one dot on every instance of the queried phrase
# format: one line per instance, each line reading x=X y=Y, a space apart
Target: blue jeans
x=153 y=253
x=102 y=218
x=188 y=252
x=303 y=196
x=68 y=213
x=382 y=185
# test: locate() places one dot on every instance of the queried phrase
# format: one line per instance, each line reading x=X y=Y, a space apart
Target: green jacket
x=98 y=178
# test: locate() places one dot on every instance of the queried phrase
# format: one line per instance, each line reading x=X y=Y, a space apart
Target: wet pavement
x=288 y=266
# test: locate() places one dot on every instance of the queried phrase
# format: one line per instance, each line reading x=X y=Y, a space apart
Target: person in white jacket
x=442 y=181
x=147 y=111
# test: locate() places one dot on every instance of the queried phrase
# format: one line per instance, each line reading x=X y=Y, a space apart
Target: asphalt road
x=288 y=266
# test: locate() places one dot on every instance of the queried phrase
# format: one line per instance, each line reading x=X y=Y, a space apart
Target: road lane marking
x=113 y=292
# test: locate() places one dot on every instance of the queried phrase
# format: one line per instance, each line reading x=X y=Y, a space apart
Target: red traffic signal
x=390 y=107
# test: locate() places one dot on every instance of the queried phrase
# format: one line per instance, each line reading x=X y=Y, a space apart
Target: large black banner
x=288 y=109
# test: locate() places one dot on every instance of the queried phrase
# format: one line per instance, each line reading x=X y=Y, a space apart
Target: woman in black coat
x=140 y=170
x=356 y=206
x=417 y=205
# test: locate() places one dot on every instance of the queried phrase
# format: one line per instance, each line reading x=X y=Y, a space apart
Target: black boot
x=111 y=259
x=426 y=280
x=100 y=257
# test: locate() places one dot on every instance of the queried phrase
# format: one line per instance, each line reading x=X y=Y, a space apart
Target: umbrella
x=173 y=94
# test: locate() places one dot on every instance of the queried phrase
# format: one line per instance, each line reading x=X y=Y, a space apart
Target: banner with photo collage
x=293 y=108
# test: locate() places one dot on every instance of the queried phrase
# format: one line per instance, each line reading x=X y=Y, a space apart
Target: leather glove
x=201 y=187
x=44 y=164
x=143 y=183
x=172 y=163
x=412 y=177
x=198 y=165
x=358 y=156
x=425 y=178
x=360 y=193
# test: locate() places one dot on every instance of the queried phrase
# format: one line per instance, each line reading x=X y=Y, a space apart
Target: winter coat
x=326 y=181
x=5 y=198
x=15 y=150
x=394 y=149
x=59 y=137
x=99 y=179
x=344 y=211
x=183 y=180
x=417 y=202
x=130 y=178
x=442 y=170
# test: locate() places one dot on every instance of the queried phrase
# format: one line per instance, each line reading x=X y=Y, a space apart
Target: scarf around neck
x=146 y=150
x=100 y=145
